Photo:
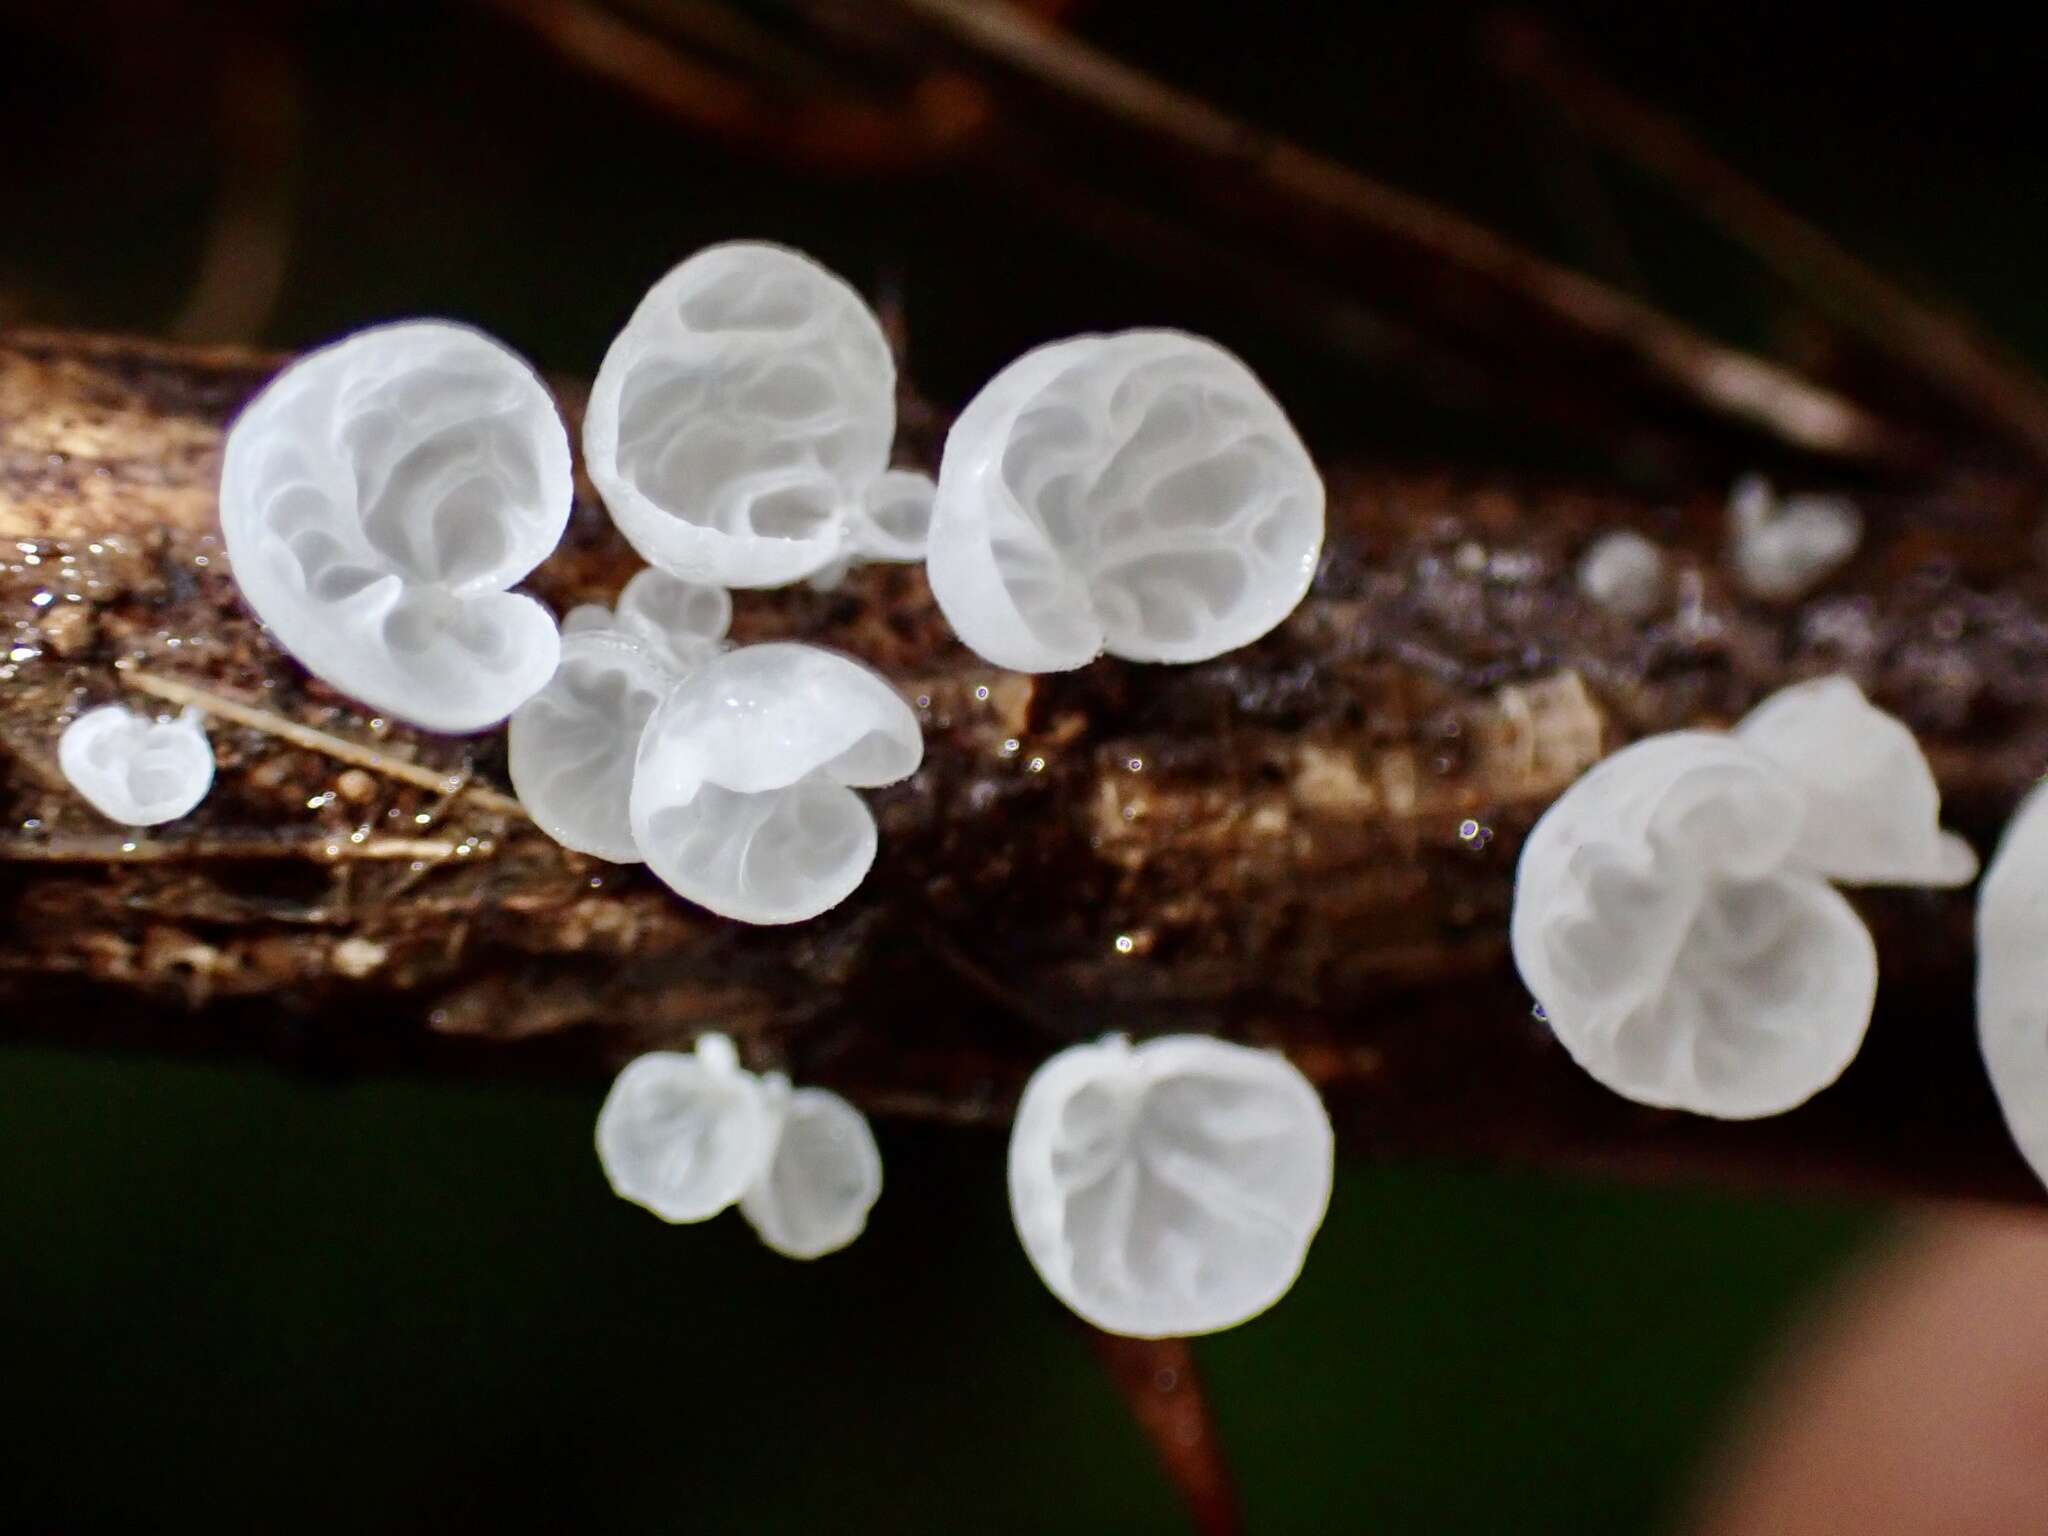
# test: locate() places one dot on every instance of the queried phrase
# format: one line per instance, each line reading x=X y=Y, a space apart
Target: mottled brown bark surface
x=1309 y=843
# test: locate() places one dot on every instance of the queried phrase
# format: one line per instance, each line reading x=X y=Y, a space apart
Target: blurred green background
x=272 y=1301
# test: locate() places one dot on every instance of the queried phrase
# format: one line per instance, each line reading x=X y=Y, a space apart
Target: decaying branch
x=1308 y=843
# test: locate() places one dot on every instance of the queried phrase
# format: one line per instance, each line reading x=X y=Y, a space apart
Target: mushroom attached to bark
x=813 y=1194
x=1673 y=914
x=134 y=770
x=744 y=795
x=572 y=746
x=742 y=418
x=378 y=499
x=1138 y=493
x=1172 y=1187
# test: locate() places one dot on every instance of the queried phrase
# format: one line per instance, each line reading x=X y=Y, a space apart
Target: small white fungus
x=134 y=770
x=742 y=419
x=1624 y=573
x=1673 y=914
x=1139 y=493
x=685 y=1134
x=1783 y=550
x=813 y=1195
x=380 y=496
x=743 y=792
x=572 y=746
x=2012 y=978
x=1169 y=1188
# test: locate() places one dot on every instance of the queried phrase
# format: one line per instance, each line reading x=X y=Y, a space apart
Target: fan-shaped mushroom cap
x=1873 y=811
x=740 y=415
x=2012 y=978
x=379 y=496
x=135 y=770
x=823 y=1178
x=1681 y=954
x=685 y=1134
x=1172 y=1187
x=1139 y=493
x=743 y=796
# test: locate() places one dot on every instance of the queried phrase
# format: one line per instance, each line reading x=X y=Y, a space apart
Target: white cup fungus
x=743 y=795
x=1139 y=493
x=1783 y=550
x=813 y=1194
x=379 y=497
x=134 y=770
x=688 y=1134
x=742 y=418
x=1172 y=1187
x=2012 y=978
x=1624 y=573
x=685 y=1134
x=1673 y=914
x=571 y=748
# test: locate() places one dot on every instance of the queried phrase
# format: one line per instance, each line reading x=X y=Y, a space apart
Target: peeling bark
x=1308 y=843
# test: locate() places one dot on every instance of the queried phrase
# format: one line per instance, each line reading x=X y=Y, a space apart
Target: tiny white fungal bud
x=1139 y=493
x=824 y=1176
x=739 y=419
x=743 y=792
x=2012 y=978
x=685 y=1134
x=1624 y=573
x=1169 y=1188
x=380 y=496
x=1782 y=551
x=1672 y=910
x=134 y=770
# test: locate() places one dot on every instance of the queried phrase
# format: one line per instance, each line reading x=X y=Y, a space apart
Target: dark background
x=278 y=1300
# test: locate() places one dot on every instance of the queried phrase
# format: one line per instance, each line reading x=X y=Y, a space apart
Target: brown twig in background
x=1979 y=375
x=1160 y=1384
x=1729 y=381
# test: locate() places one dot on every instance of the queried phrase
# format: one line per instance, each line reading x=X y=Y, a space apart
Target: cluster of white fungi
x=1139 y=495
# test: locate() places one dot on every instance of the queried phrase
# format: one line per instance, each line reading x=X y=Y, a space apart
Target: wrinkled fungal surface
x=739 y=419
x=135 y=770
x=570 y=748
x=380 y=496
x=2012 y=978
x=1139 y=493
x=1673 y=914
x=814 y=1193
x=1172 y=1187
x=743 y=795
x=684 y=1134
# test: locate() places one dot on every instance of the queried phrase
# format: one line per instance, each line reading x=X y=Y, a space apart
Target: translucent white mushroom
x=1782 y=551
x=743 y=793
x=1139 y=493
x=1624 y=573
x=1873 y=810
x=892 y=523
x=380 y=496
x=135 y=770
x=685 y=1134
x=1172 y=1187
x=1673 y=915
x=824 y=1176
x=572 y=746
x=739 y=420
x=2012 y=978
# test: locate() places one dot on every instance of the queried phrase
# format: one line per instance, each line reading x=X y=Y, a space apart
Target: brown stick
x=1308 y=843
x=1982 y=377
x=1159 y=1383
x=1729 y=381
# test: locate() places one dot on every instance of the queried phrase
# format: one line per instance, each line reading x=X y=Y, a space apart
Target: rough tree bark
x=1309 y=843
